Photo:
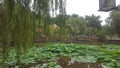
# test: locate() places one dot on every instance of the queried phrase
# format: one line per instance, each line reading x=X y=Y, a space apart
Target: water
x=65 y=62
x=75 y=65
x=83 y=65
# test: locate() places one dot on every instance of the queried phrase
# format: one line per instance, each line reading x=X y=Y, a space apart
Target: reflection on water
x=83 y=65
x=75 y=65
x=64 y=62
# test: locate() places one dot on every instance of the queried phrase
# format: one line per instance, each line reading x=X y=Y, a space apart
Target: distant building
x=107 y=5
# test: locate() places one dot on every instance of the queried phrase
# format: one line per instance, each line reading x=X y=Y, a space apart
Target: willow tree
x=47 y=9
x=18 y=21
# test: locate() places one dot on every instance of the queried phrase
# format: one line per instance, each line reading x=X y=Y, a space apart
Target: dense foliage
x=18 y=21
x=113 y=24
x=108 y=55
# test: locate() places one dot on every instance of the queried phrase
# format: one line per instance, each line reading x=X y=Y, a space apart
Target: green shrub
x=101 y=35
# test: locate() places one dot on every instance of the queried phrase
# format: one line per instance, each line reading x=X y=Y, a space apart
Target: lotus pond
x=66 y=56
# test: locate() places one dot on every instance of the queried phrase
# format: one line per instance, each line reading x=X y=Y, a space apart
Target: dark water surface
x=83 y=65
x=64 y=63
x=75 y=65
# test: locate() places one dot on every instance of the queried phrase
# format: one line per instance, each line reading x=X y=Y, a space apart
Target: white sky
x=86 y=7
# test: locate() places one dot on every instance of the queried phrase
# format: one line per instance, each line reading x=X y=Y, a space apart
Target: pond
x=69 y=63
x=64 y=62
x=83 y=65
x=75 y=65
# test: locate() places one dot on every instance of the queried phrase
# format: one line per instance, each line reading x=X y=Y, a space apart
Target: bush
x=101 y=35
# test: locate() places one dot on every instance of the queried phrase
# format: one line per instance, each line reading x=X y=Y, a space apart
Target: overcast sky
x=86 y=7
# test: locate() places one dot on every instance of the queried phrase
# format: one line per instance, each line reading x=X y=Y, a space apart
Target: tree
x=108 y=27
x=76 y=25
x=115 y=22
x=18 y=21
x=93 y=23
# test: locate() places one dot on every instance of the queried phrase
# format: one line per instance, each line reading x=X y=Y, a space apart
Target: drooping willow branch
x=17 y=23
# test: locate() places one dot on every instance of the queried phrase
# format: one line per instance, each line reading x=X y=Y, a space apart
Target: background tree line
x=78 y=25
x=90 y=25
